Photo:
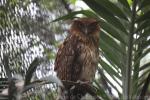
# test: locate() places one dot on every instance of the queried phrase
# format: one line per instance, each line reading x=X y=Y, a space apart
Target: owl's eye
x=80 y=25
x=93 y=25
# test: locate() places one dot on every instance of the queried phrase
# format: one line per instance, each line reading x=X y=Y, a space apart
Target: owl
x=78 y=55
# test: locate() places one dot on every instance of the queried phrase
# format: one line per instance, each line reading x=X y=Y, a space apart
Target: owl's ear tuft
x=95 y=23
x=77 y=21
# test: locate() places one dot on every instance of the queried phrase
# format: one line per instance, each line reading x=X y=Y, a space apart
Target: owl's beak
x=85 y=30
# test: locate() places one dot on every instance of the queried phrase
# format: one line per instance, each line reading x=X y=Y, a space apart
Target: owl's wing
x=65 y=62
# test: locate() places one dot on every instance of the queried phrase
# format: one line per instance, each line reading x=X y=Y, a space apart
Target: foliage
x=27 y=34
x=124 y=43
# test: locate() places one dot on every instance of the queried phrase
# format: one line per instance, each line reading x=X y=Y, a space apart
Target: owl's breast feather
x=88 y=57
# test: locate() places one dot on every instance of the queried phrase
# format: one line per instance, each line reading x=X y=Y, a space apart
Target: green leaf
x=112 y=43
x=111 y=83
x=109 y=55
x=146 y=33
x=72 y=15
x=144 y=4
x=115 y=10
x=31 y=70
x=130 y=2
x=144 y=17
x=143 y=36
x=141 y=79
x=144 y=52
x=143 y=25
x=139 y=57
x=101 y=92
x=106 y=47
x=145 y=66
x=120 y=36
x=145 y=87
x=73 y=1
x=145 y=44
x=105 y=14
x=124 y=3
x=109 y=69
x=113 y=76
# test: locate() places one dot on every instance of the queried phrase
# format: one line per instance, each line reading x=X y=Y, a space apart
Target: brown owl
x=77 y=57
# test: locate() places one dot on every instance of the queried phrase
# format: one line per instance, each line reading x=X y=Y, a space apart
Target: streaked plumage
x=77 y=57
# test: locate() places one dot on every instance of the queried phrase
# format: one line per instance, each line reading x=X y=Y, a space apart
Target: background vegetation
x=29 y=41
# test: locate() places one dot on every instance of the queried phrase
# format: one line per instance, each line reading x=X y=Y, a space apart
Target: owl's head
x=86 y=26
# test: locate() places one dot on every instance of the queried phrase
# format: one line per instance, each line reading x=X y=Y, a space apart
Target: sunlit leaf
x=72 y=15
x=105 y=14
x=109 y=51
x=121 y=37
x=144 y=17
x=125 y=3
x=112 y=8
x=100 y=91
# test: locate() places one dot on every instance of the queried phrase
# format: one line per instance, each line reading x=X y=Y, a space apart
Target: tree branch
x=129 y=53
x=81 y=88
